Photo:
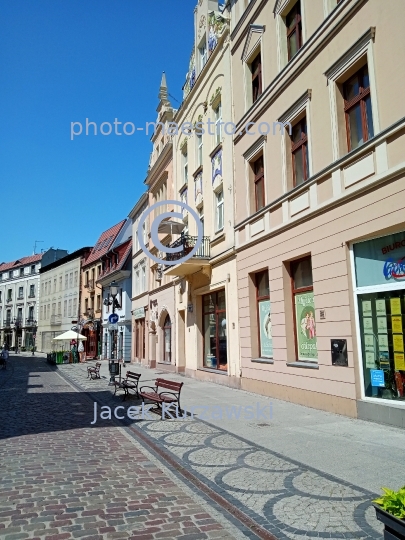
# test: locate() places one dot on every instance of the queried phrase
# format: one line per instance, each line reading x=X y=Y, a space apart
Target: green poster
x=266 y=339
x=306 y=326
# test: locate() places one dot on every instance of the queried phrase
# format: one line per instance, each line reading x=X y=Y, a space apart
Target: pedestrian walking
x=4 y=357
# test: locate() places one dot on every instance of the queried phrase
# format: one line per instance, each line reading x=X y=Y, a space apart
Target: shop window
x=215 y=331
x=257 y=82
x=357 y=106
x=304 y=310
x=299 y=151
x=264 y=314
x=294 y=30
x=167 y=340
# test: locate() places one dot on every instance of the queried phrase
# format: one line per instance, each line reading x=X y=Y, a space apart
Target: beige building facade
x=320 y=213
x=59 y=297
x=205 y=293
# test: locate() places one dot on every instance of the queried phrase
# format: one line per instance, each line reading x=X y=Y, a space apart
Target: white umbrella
x=69 y=336
x=170 y=227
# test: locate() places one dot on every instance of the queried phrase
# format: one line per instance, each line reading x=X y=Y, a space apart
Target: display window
x=214 y=331
x=264 y=314
x=380 y=298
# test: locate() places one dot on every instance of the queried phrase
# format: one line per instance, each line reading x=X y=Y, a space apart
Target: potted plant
x=390 y=510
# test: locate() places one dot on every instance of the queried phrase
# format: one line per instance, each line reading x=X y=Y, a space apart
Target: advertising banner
x=266 y=339
x=306 y=326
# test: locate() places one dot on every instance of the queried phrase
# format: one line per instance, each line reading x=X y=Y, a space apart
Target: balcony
x=200 y=259
x=56 y=320
x=30 y=322
x=31 y=295
x=89 y=285
x=7 y=323
x=20 y=297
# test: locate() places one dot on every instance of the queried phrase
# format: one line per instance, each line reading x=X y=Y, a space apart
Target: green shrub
x=393 y=502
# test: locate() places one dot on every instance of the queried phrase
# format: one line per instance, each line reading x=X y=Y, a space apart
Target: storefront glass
x=379 y=265
x=215 y=331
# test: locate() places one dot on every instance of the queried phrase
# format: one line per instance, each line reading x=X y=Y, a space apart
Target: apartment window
x=98 y=303
x=20 y=292
x=304 y=310
x=32 y=291
x=219 y=221
x=258 y=169
x=49 y=311
x=46 y=288
x=77 y=277
x=33 y=269
x=9 y=295
x=31 y=313
x=74 y=307
x=59 y=308
x=218 y=123
x=199 y=139
x=87 y=280
x=359 y=116
x=143 y=278
x=299 y=150
x=71 y=279
x=99 y=270
x=185 y=166
x=10 y=275
x=66 y=281
x=137 y=283
x=161 y=195
x=8 y=317
x=41 y=313
x=202 y=49
x=294 y=30
x=1 y=296
x=19 y=315
x=70 y=308
x=201 y=216
x=65 y=308
x=86 y=306
x=54 y=285
x=257 y=85
x=53 y=309
x=60 y=283
x=21 y=271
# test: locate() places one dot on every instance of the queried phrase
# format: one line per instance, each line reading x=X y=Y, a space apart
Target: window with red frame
x=294 y=30
x=359 y=116
x=299 y=150
x=304 y=310
x=258 y=169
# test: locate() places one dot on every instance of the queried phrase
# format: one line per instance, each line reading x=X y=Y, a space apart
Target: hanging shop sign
x=139 y=313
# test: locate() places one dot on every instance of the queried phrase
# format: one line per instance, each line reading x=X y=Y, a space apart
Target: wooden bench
x=129 y=383
x=94 y=372
x=164 y=392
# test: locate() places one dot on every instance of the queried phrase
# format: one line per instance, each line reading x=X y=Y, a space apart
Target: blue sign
x=113 y=318
x=377 y=378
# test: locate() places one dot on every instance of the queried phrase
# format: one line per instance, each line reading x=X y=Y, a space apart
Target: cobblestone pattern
x=61 y=479
x=287 y=498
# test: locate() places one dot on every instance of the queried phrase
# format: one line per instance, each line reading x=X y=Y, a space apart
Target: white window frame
x=218 y=123
x=199 y=141
x=185 y=165
x=219 y=210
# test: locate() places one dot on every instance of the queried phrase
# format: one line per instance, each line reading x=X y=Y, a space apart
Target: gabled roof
x=104 y=243
x=123 y=251
x=31 y=259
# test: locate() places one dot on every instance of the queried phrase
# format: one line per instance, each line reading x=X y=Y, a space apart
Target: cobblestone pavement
x=283 y=496
x=63 y=479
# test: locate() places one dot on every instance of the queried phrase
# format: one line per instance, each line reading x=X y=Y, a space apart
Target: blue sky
x=65 y=61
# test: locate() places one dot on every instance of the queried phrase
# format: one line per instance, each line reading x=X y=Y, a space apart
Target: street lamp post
x=113 y=294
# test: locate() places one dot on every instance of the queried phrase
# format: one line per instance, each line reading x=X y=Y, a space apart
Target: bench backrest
x=170 y=385
x=132 y=375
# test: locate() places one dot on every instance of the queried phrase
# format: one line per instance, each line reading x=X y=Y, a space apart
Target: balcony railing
x=30 y=322
x=31 y=295
x=90 y=285
x=20 y=297
x=56 y=320
x=188 y=242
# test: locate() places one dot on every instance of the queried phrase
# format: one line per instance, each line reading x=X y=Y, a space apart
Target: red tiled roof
x=21 y=262
x=123 y=251
x=104 y=243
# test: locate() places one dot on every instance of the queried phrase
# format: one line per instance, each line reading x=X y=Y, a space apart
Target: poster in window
x=306 y=326
x=398 y=342
x=395 y=306
x=399 y=361
x=383 y=342
x=366 y=308
x=380 y=308
x=369 y=342
x=368 y=325
x=370 y=360
x=385 y=361
x=382 y=324
x=397 y=324
x=266 y=339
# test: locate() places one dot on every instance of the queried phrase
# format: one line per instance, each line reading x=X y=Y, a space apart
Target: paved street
x=178 y=478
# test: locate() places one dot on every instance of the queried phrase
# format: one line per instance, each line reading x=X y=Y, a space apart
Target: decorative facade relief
x=198 y=189
x=216 y=25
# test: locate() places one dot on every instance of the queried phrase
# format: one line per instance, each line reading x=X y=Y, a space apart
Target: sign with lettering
x=380 y=261
x=139 y=313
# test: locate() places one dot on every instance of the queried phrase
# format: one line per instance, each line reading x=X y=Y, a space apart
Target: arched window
x=167 y=341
